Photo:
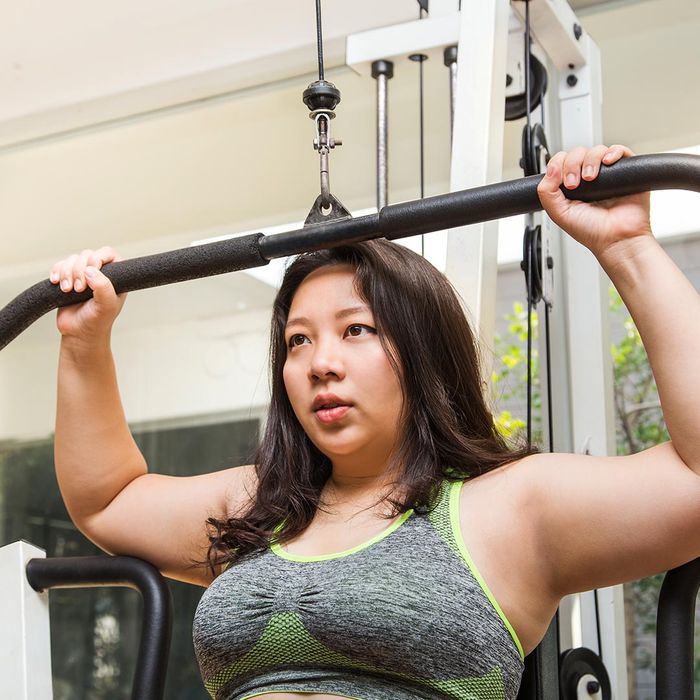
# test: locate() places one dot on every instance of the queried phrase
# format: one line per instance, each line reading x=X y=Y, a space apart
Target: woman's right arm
x=102 y=474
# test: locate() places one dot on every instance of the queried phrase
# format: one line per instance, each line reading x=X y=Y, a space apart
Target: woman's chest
x=328 y=536
x=356 y=596
x=497 y=531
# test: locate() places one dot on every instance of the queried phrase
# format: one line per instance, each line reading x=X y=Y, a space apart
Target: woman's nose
x=326 y=361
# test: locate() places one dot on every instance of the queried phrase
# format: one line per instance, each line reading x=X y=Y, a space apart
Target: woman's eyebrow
x=304 y=321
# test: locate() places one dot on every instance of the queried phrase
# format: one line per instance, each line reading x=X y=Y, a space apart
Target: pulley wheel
x=535 y=152
x=532 y=252
x=516 y=107
x=582 y=676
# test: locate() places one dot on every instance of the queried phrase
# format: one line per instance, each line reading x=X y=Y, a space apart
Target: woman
x=321 y=597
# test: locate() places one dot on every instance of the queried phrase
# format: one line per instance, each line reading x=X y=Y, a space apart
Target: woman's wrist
x=626 y=255
x=80 y=351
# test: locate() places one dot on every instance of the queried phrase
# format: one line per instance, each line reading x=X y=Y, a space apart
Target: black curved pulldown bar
x=486 y=203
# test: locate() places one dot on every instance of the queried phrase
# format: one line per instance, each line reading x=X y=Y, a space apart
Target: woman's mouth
x=330 y=415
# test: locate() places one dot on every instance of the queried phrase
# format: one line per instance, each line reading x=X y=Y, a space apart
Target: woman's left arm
x=663 y=303
x=596 y=521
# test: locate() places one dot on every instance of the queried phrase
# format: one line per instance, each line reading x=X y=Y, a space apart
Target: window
x=95 y=632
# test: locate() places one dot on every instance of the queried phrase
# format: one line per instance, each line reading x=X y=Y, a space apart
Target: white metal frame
x=583 y=376
x=25 y=647
x=581 y=372
x=588 y=393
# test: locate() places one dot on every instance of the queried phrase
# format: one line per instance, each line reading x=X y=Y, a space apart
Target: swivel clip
x=322 y=97
x=323 y=143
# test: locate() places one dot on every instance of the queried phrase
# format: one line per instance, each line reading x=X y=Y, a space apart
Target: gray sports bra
x=403 y=616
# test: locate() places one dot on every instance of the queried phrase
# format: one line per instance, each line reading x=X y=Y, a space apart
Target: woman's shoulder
x=514 y=475
x=602 y=520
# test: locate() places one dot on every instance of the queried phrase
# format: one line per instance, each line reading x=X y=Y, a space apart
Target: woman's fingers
x=79 y=283
x=107 y=254
x=70 y=272
x=66 y=273
x=591 y=162
x=584 y=163
x=572 y=167
x=102 y=289
x=614 y=153
x=597 y=225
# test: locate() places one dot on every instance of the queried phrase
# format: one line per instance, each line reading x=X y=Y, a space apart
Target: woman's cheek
x=290 y=385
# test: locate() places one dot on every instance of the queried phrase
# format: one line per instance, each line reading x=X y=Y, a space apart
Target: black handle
x=675 y=632
x=88 y=572
x=636 y=174
x=138 y=273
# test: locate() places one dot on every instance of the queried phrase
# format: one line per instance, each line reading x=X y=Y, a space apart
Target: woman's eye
x=356 y=329
x=293 y=340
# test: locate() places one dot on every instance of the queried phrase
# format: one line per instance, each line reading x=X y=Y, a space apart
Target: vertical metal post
x=468 y=255
x=587 y=393
x=450 y=59
x=382 y=71
x=25 y=646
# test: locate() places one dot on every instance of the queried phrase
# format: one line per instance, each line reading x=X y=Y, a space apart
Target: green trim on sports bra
x=277 y=548
x=454 y=519
x=297 y=692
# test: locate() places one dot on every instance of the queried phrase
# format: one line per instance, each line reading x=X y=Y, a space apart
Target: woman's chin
x=335 y=451
x=338 y=448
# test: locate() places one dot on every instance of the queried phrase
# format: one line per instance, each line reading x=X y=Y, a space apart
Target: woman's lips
x=330 y=415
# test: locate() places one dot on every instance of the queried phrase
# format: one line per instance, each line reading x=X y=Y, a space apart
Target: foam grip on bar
x=138 y=273
x=460 y=208
x=663 y=171
x=666 y=171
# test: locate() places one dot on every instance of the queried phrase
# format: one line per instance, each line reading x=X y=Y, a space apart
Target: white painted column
x=25 y=646
x=468 y=255
x=590 y=363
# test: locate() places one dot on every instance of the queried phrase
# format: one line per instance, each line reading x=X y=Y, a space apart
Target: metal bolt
x=578 y=31
x=592 y=687
x=571 y=80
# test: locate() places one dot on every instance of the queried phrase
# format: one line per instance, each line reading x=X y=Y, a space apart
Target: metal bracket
x=320 y=213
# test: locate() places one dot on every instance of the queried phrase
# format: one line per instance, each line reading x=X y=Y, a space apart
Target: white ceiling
x=74 y=63
x=147 y=125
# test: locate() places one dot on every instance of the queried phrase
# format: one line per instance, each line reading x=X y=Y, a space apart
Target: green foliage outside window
x=509 y=378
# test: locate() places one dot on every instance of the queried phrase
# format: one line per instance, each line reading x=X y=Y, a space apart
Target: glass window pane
x=95 y=632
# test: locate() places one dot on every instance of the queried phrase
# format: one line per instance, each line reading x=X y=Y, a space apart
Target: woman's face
x=333 y=349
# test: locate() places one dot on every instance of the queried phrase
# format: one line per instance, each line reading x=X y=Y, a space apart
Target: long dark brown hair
x=448 y=430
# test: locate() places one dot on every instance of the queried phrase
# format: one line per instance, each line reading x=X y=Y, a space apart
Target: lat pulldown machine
x=548 y=676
